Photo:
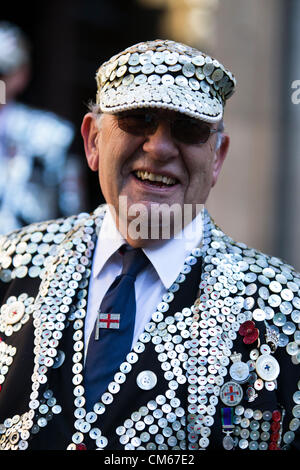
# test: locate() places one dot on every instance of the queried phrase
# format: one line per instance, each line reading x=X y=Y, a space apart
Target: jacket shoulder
x=265 y=287
x=251 y=258
x=29 y=249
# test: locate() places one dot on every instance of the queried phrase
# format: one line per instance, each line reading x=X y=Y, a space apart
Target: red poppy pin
x=250 y=333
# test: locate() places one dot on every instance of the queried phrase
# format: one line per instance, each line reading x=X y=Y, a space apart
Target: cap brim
x=194 y=103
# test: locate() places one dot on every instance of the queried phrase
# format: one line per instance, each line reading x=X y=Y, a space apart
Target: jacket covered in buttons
x=224 y=357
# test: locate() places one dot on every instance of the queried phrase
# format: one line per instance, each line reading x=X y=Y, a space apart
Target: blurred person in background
x=38 y=176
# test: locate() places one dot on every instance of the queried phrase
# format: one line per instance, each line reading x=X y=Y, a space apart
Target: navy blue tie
x=112 y=335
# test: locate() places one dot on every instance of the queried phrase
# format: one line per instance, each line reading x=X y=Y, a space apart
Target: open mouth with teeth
x=154 y=179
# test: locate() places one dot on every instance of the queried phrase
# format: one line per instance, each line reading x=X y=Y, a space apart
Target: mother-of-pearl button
x=14 y=312
x=267 y=367
x=146 y=380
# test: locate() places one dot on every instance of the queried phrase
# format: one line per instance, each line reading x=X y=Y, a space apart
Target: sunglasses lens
x=186 y=130
x=191 y=131
x=137 y=123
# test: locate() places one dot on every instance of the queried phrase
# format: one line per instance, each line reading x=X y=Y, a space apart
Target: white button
x=101 y=442
x=259 y=314
x=239 y=371
x=146 y=380
x=267 y=367
x=270 y=386
x=14 y=312
x=258 y=384
x=265 y=349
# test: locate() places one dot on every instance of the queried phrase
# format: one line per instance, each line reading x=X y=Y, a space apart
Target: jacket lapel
x=74 y=255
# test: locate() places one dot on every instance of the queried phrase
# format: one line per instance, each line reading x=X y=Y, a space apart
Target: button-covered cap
x=164 y=74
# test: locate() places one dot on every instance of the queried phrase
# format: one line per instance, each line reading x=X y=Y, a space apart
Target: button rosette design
x=14 y=312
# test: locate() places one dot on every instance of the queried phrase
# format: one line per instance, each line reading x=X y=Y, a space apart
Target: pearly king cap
x=164 y=74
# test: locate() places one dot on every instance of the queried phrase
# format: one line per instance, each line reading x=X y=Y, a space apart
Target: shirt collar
x=109 y=241
x=167 y=258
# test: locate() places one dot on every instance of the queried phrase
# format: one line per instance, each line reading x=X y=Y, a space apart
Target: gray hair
x=220 y=131
x=96 y=112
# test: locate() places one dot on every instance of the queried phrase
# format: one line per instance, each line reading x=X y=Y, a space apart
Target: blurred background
x=257 y=199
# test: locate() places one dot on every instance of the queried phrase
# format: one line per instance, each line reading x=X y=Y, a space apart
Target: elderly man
x=117 y=336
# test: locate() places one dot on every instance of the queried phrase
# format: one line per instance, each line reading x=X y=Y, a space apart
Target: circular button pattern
x=14 y=312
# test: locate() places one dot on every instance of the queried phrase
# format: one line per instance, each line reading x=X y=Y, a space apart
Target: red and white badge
x=109 y=320
x=231 y=393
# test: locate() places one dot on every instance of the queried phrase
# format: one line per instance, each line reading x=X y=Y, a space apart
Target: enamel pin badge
x=107 y=321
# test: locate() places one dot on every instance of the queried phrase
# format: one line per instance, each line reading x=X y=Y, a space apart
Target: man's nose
x=161 y=144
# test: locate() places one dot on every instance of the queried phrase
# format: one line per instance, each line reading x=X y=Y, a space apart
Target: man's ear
x=220 y=156
x=89 y=132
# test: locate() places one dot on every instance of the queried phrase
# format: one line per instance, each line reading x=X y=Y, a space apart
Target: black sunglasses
x=184 y=129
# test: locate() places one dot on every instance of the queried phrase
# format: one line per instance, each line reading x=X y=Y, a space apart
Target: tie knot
x=134 y=260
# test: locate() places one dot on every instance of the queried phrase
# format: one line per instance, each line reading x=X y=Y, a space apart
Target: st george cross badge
x=107 y=321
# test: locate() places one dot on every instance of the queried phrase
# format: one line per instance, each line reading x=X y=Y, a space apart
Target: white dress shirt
x=166 y=261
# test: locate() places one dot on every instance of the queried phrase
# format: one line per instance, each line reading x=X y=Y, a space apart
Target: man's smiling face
x=153 y=169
